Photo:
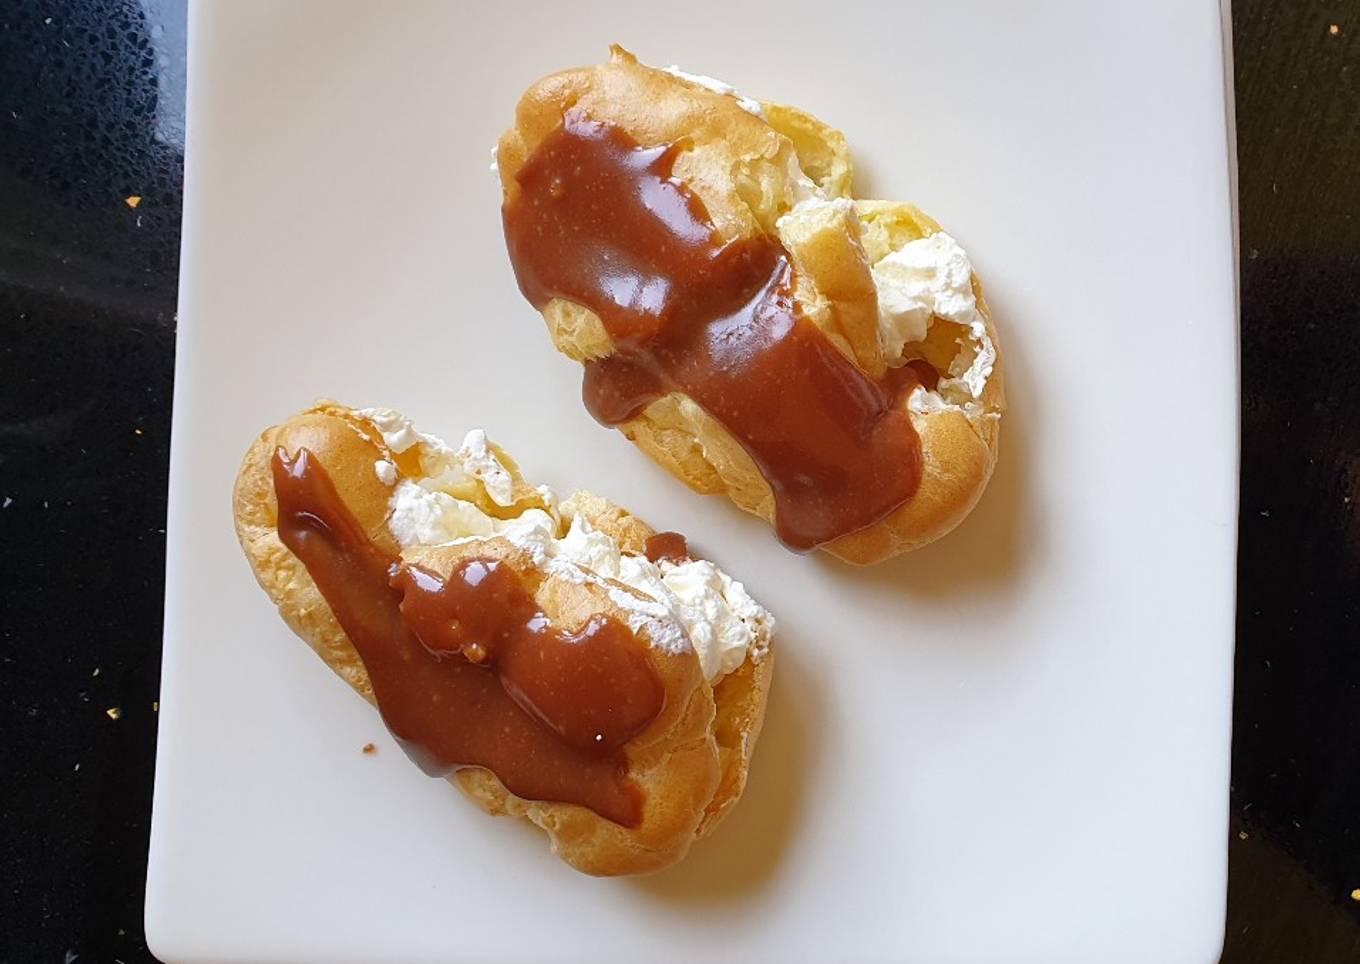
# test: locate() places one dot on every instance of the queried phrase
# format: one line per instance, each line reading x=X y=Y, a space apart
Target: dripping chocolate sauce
x=599 y=220
x=466 y=670
x=670 y=546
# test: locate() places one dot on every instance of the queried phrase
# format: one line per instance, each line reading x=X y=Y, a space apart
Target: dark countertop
x=91 y=116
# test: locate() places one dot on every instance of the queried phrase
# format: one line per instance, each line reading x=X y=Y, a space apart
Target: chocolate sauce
x=595 y=688
x=926 y=373
x=600 y=221
x=670 y=546
x=466 y=670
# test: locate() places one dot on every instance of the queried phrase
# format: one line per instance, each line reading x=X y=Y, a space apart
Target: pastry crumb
x=114 y=712
x=132 y=200
x=1355 y=894
x=1242 y=835
x=96 y=671
x=1334 y=29
x=155 y=706
x=369 y=749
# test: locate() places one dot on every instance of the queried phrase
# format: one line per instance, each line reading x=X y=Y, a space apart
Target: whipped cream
x=924 y=279
x=718 y=87
x=931 y=278
x=443 y=467
x=685 y=606
x=721 y=620
x=913 y=283
x=812 y=203
x=424 y=516
x=398 y=434
x=482 y=464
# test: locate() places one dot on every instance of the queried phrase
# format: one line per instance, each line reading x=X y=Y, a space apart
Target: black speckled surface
x=91 y=114
x=87 y=299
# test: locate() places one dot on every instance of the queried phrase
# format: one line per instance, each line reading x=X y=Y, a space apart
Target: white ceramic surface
x=1010 y=747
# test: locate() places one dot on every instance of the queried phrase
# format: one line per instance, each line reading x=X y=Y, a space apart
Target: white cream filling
x=420 y=516
x=812 y=203
x=721 y=620
x=442 y=466
x=386 y=471
x=481 y=463
x=918 y=281
x=396 y=429
x=691 y=605
x=924 y=280
x=718 y=87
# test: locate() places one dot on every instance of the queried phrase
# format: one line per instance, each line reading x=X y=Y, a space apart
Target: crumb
x=1334 y=29
x=96 y=671
x=370 y=749
x=155 y=706
x=136 y=431
x=113 y=712
x=132 y=200
x=1242 y=835
x=76 y=768
x=1355 y=894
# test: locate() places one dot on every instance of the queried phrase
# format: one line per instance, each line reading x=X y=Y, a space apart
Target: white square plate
x=1009 y=747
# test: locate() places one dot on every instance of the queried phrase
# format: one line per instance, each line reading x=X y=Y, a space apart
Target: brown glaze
x=466 y=671
x=671 y=546
x=926 y=373
x=599 y=221
x=595 y=688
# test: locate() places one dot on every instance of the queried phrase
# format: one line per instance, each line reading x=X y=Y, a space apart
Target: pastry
x=827 y=363
x=558 y=662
